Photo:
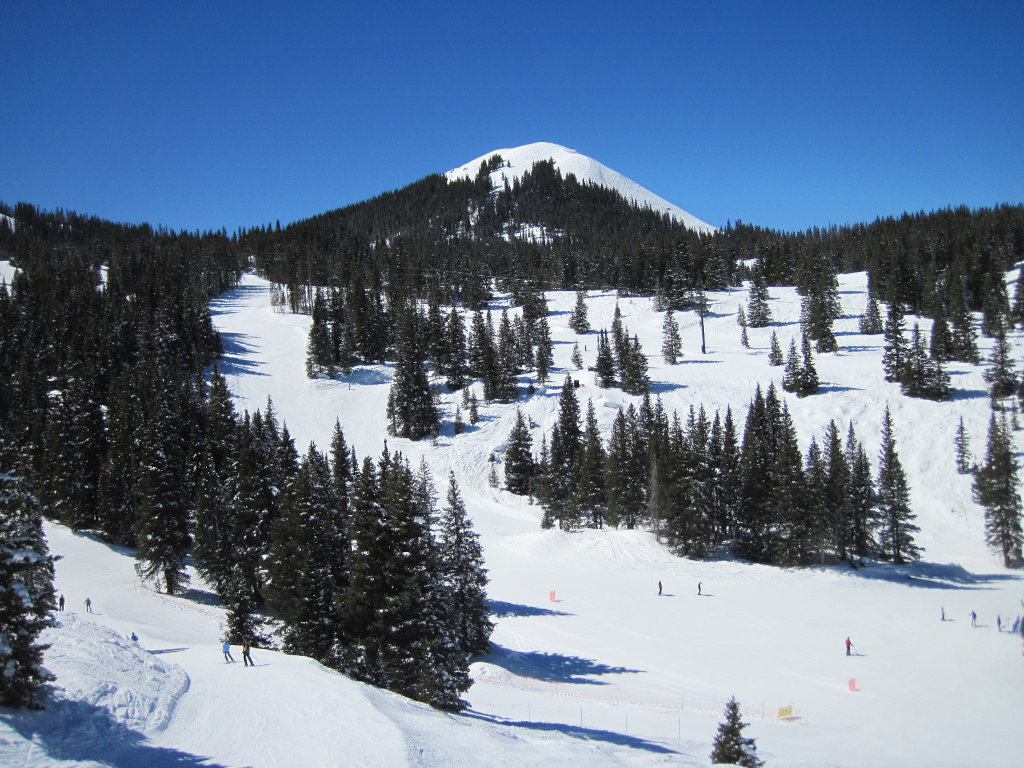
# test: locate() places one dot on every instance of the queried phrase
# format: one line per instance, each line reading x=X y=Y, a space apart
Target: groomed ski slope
x=608 y=673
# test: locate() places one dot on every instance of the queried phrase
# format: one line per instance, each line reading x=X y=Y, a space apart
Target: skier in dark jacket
x=848 y=646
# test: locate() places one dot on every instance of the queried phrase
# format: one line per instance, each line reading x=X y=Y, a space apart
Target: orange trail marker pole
x=552 y=596
x=853 y=684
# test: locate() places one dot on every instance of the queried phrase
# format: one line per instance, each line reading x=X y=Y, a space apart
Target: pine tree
x=871 y=321
x=759 y=315
x=26 y=590
x=896 y=536
x=305 y=559
x=837 y=493
x=625 y=471
x=757 y=459
x=162 y=526
x=454 y=364
x=577 y=357
x=461 y=565
x=939 y=348
x=775 y=351
x=671 y=345
x=319 y=351
x=791 y=373
x=963 y=345
x=578 y=319
x=74 y=447
x=861 y=499
x=961 y=444
x=795 y=499
x=590 y=492
x=1001 y=375
x=923 y=376
x=895 y=354
x=605 y=365
x=819 y=308
x=997 y=489
x=506 y=369
x=730 y=746
x=411 y=410
x=807 y=379
x=519 y=467
x=633 y=368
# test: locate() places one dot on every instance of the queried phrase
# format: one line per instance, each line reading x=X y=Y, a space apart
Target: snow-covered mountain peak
x=521 y=159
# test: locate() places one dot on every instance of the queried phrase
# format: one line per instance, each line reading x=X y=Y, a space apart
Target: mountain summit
x=521 y=159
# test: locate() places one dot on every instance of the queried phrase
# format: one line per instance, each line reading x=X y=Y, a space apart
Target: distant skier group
x=226 y=647
x=60 y=604
x=1011 y=628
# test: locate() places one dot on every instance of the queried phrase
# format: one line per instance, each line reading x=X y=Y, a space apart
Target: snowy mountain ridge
x=518 y=160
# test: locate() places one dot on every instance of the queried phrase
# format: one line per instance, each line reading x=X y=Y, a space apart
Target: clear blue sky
x=198 y=115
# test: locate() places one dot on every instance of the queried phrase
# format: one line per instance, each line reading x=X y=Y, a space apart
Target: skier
x=848 y=646
x=943 y=613
x=974 y=619
x=699 y=585
x=999 y=623
x=659 y=587
x=245 y=655
x=88 y=605
x=135 y=638
x=227 y=652
x=60 y=603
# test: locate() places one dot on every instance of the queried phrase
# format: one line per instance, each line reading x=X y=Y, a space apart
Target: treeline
x=706 y=489
x=557 y=233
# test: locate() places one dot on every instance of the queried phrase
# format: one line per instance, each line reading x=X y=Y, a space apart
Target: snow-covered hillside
x=521 y=159
x=607 y=672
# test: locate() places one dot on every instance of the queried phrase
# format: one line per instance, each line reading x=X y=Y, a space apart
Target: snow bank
x=112 y=695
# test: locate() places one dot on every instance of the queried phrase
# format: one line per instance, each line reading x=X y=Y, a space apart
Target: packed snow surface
x=521 y=159
x=589 y=666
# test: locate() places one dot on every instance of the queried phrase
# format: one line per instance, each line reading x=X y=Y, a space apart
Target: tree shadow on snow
x=70 y=730
x=502 y=610
x=577 y=732
x=837 y=388
x=235 y=358
x=925 y=575
x=550 y=667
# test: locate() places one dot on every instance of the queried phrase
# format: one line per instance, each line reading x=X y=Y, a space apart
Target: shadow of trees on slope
x=925 y=575
x=578 y=732
x=551 y=667
x=81 y=732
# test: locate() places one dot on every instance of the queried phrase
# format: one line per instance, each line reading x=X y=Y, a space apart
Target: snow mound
x=521 y=159
x=113 y=694
x=115 y=673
